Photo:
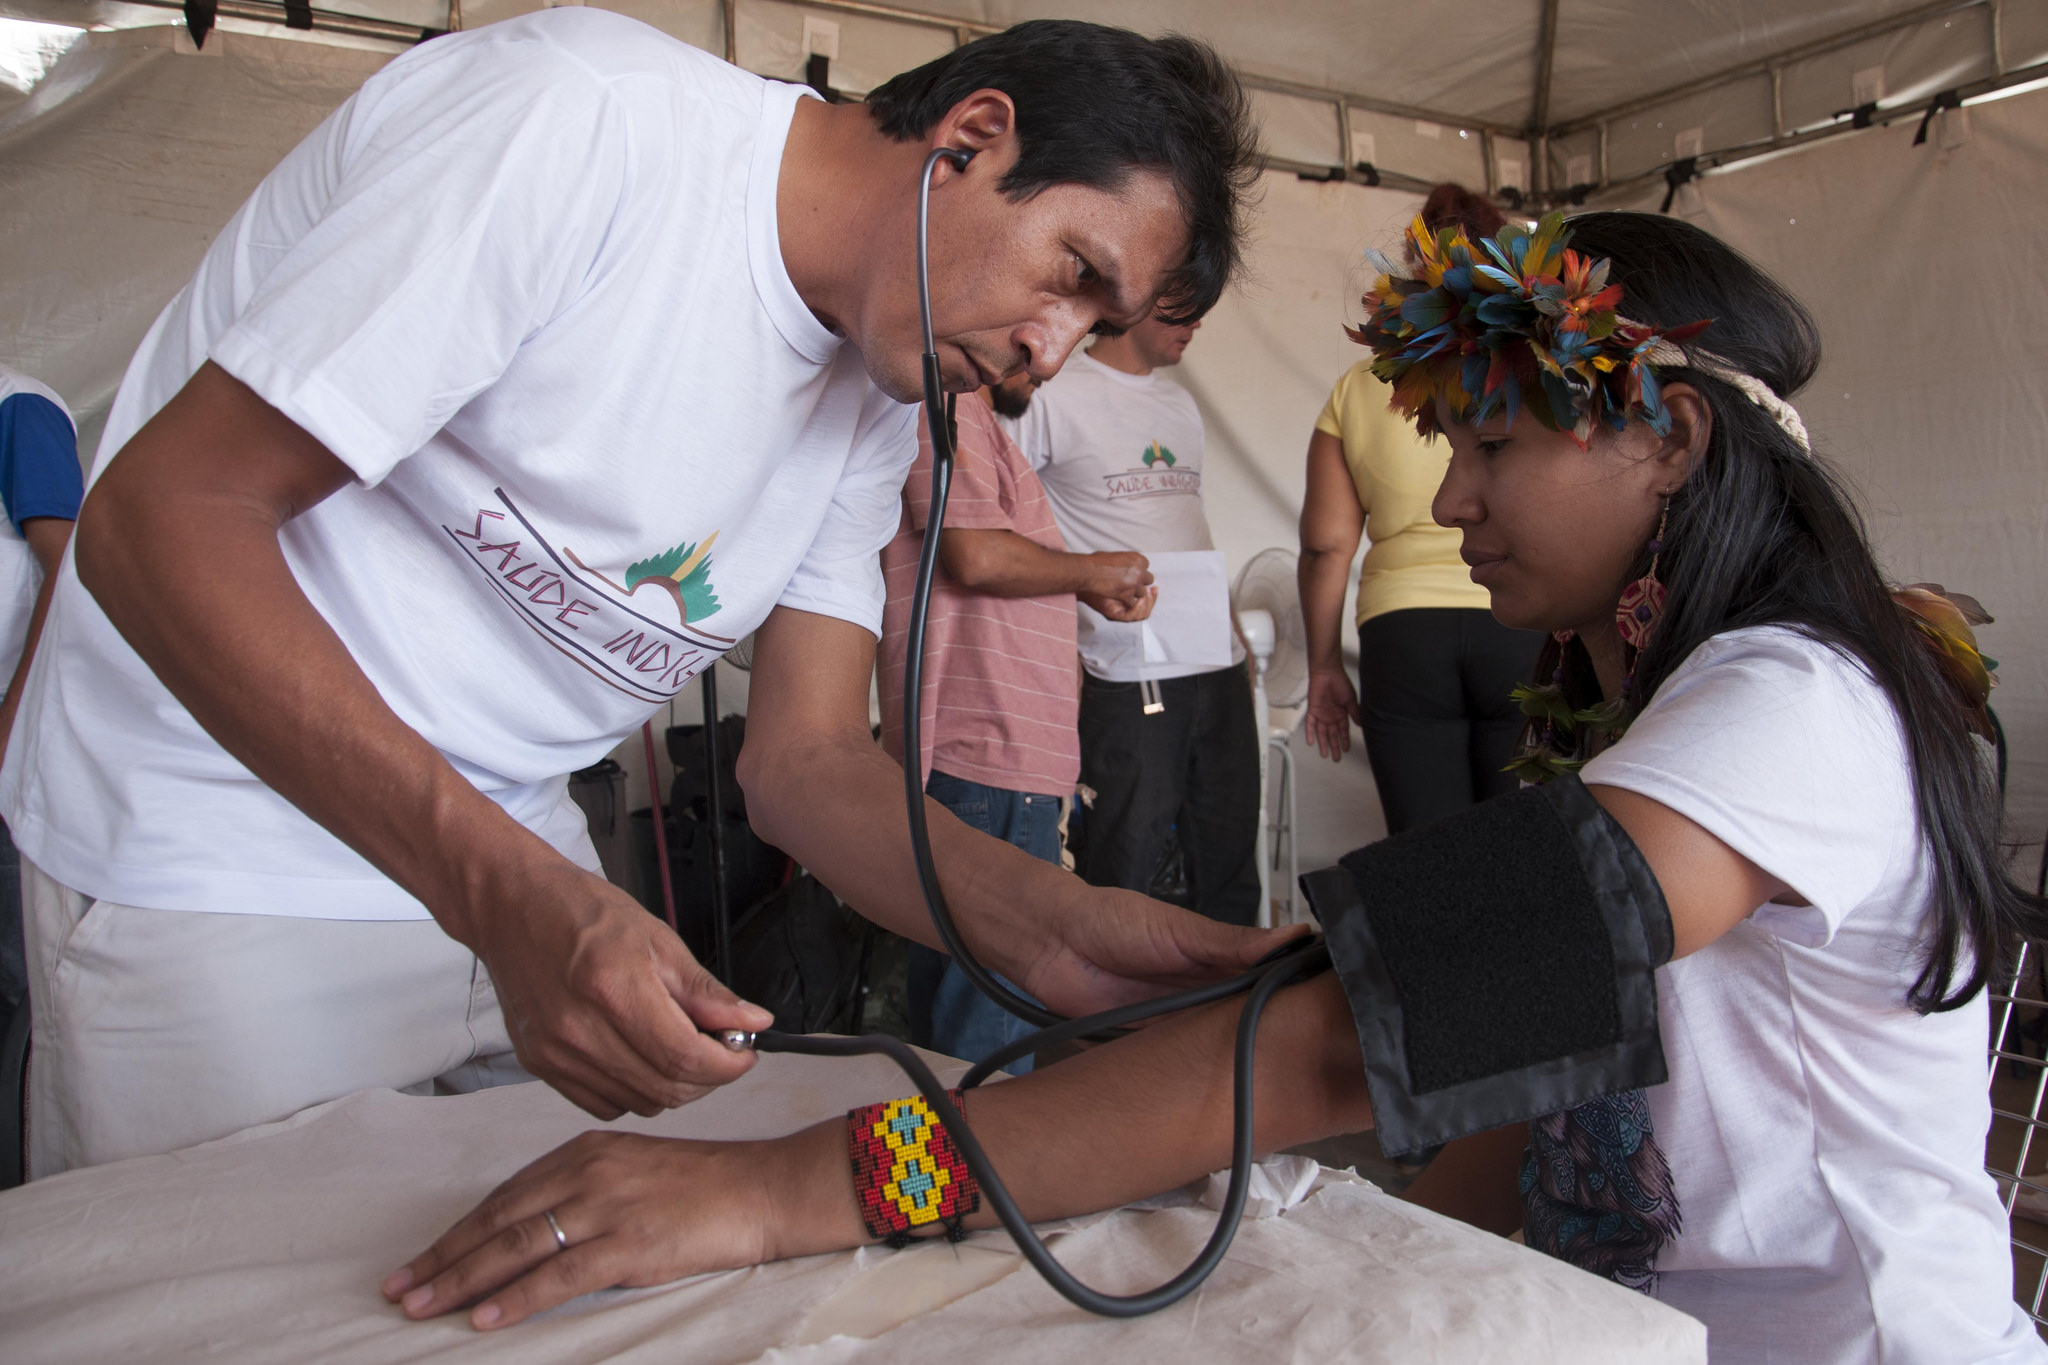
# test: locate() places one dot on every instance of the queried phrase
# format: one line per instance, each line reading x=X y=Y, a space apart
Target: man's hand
x=605 y=1004
x=1332 y=711
x=179 y=543
x=1108 y=947
x=820 y=788
x=1119 y=585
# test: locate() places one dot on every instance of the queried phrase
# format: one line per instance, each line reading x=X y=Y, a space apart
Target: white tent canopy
x=1922 y=262
x=1532 y=97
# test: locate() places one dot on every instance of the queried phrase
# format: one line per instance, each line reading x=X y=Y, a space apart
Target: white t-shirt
x=527 y=285
x=1120 y=456
x=1826 y=1142
x=21 y=576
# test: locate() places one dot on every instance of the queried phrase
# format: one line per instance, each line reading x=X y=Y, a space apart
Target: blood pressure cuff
x=1498 y=963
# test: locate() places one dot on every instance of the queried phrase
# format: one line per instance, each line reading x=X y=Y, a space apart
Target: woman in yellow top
x=1435 y=668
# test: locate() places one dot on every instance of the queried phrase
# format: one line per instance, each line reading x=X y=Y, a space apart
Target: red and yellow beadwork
x=907 y=1173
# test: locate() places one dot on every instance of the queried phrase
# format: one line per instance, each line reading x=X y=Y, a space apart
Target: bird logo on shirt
x=685 y=572
x=1154 y=476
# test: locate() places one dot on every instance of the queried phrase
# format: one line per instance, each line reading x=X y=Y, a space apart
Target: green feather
x=695 y=590
x=1538 y=766
x=1545 y=703
x=1608 y=715
x=660 y=566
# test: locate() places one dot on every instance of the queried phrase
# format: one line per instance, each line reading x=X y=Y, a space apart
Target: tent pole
x=325 y=20
x=1539 y=115
x=1761 y=65
x=1725 y=158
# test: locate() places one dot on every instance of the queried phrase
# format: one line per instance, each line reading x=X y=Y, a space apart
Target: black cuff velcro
x=1499 y=964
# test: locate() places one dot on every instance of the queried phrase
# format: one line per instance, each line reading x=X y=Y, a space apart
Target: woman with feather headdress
x=1761 y=770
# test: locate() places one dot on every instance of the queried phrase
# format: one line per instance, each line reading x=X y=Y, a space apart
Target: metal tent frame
x=1541 y=132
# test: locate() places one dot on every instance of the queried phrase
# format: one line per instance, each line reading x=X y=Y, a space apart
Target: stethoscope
x=1261 y=982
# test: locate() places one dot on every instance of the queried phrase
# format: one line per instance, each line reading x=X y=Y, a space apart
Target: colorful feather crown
x=1518 y=323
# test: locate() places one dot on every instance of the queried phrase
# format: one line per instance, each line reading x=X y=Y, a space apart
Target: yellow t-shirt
x=1413 y=562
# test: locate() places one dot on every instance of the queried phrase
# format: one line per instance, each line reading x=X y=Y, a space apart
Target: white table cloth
x=269 y=1245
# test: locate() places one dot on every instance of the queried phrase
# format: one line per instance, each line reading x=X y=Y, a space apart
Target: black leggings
x=1434 y=686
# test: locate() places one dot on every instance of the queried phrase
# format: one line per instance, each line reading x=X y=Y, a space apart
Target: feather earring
x=1642 y=602
x=1546 y=754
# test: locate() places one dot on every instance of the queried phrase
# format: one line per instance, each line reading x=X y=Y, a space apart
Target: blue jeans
x=947 y=1014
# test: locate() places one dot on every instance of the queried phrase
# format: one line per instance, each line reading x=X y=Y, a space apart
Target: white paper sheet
x=269 y=1245
x=1189 y=627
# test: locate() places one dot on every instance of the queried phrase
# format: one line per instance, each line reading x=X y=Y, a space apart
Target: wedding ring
x=561 y=1238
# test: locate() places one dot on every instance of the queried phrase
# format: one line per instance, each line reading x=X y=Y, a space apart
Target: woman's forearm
x=1323 y=576
x=1475 y=1180
x=1141 y=1115
x=1144 y=1114
x=1332 y=524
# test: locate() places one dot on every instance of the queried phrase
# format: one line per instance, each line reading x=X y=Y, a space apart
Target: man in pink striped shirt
x=1001 y=676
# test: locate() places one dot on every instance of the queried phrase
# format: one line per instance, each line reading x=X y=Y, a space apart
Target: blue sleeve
x=39 y=473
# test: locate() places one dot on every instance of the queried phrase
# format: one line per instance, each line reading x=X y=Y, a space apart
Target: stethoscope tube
x=1242 y=1153
x=938 y=409
x=1262 y=982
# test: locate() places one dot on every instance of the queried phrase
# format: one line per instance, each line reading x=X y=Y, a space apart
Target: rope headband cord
x=1787 y=417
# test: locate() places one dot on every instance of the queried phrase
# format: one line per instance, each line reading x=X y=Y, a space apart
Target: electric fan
x=1267 y=605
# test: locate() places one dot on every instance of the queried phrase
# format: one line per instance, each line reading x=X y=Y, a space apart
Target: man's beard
x=1008 y=402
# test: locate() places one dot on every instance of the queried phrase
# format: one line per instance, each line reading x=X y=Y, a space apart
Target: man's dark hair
x=1093 y=105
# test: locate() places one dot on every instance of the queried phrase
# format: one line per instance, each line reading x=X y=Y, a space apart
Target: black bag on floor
x=799 y=952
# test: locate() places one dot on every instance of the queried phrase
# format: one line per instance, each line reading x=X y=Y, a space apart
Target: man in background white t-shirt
x=40 y=488
x=559 y=358
x=1170 y=747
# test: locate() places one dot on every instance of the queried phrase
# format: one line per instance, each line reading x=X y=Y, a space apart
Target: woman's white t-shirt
x=1826 y=1142
x=527 y=285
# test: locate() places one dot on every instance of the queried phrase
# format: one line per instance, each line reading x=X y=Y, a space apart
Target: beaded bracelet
x=907 y=1174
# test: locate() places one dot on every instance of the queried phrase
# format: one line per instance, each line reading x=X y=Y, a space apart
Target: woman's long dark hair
x=1763 y=533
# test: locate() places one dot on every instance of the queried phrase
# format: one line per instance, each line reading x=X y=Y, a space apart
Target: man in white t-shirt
x=1169 y=747
x=557 y=359
x=40 y=489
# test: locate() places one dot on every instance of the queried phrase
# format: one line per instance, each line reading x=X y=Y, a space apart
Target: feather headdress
x=1944 y=620
x=1519 y=322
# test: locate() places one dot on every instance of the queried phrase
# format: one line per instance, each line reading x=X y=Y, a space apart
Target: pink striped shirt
x=1001 y=682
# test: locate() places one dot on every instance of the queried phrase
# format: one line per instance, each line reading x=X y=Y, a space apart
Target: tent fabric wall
x=1927 y=268
x=119 y=170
